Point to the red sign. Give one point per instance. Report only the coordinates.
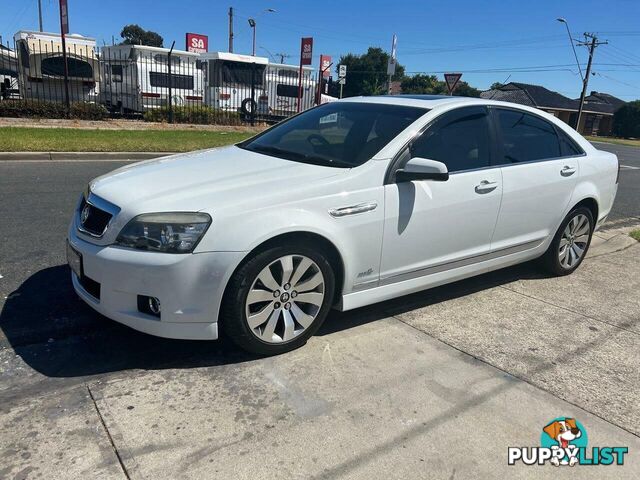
(306, 51)
(452, 80)
(64, 17)
(197, 43)
(325, 65)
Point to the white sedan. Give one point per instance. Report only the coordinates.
(347, 204)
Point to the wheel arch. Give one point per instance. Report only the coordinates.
(309, 238)
(592, 204)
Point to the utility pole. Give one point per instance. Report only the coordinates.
(585, 84)
(282, 56)
(40, 14)
(230, 29)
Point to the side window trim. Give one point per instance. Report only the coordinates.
(395, 163)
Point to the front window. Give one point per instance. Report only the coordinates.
(339, 134)
(54, 66)
(459, 139)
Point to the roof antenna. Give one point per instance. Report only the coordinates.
(505, 80)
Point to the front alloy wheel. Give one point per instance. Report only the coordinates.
(278, 298)
(285, 298)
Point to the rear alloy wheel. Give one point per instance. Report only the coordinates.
(571, 242)
(278, 299)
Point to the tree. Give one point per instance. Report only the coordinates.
(367, 73)
(626, 120)
(423, 84)
(429, 84)
(136, 35)
(496, 86)
(463, 89)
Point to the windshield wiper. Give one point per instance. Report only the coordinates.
(303, 157)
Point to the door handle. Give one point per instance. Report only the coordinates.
(486, 187)
(567, 171)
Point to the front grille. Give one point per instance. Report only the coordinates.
(96, 220)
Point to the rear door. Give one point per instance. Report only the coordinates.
(539, 167)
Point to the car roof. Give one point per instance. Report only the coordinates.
(423, 101)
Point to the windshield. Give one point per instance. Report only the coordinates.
(339, 134)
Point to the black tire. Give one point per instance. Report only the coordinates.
(550, 260)
(244, 106)
(233, 315)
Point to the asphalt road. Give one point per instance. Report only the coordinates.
(626, 210)
(74, 386)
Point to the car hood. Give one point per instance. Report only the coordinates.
(204, 179)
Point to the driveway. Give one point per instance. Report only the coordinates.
(434, 385)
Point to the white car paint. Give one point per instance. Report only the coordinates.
(410, 236)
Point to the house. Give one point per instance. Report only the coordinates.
(597, 114)
(599, 109)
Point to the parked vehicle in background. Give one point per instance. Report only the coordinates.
(274, 94)
(347, 204)
(41, 67)
(236, 83)
(135, 78)
(282, 89)
(9, 88)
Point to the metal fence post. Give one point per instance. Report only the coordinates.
(169, 80)
(254, 104)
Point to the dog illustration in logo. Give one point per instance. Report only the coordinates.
(563, 432)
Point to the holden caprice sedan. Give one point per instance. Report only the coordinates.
(347, 204)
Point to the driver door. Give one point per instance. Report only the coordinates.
(433, 226)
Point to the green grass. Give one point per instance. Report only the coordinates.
(618, 141)
(635, 234)
(20, 139)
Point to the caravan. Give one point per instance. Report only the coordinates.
(8, 74)
(231, 77)
(41, 67)
(135, 78)
(283, 84)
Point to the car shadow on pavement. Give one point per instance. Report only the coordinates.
(57, 335)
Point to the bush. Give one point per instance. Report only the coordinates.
(202, 115)
(34, 109)
(626, 121)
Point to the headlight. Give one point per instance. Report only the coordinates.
(177, 232)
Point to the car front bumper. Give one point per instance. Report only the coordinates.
(189, 286)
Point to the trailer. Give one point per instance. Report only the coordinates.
(137, 78)
(41, 67)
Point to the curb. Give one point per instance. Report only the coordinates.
(79, 156)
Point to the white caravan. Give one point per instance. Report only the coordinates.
(229, 79)
(8, 74)
(135, 78)
(41, 66)
(282, 89)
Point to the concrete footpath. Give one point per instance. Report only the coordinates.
(434, 385)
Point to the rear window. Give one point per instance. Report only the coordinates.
(526, 137)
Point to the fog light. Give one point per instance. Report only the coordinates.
(154, 305)
(149, 305)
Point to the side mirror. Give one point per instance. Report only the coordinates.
(422, 169)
